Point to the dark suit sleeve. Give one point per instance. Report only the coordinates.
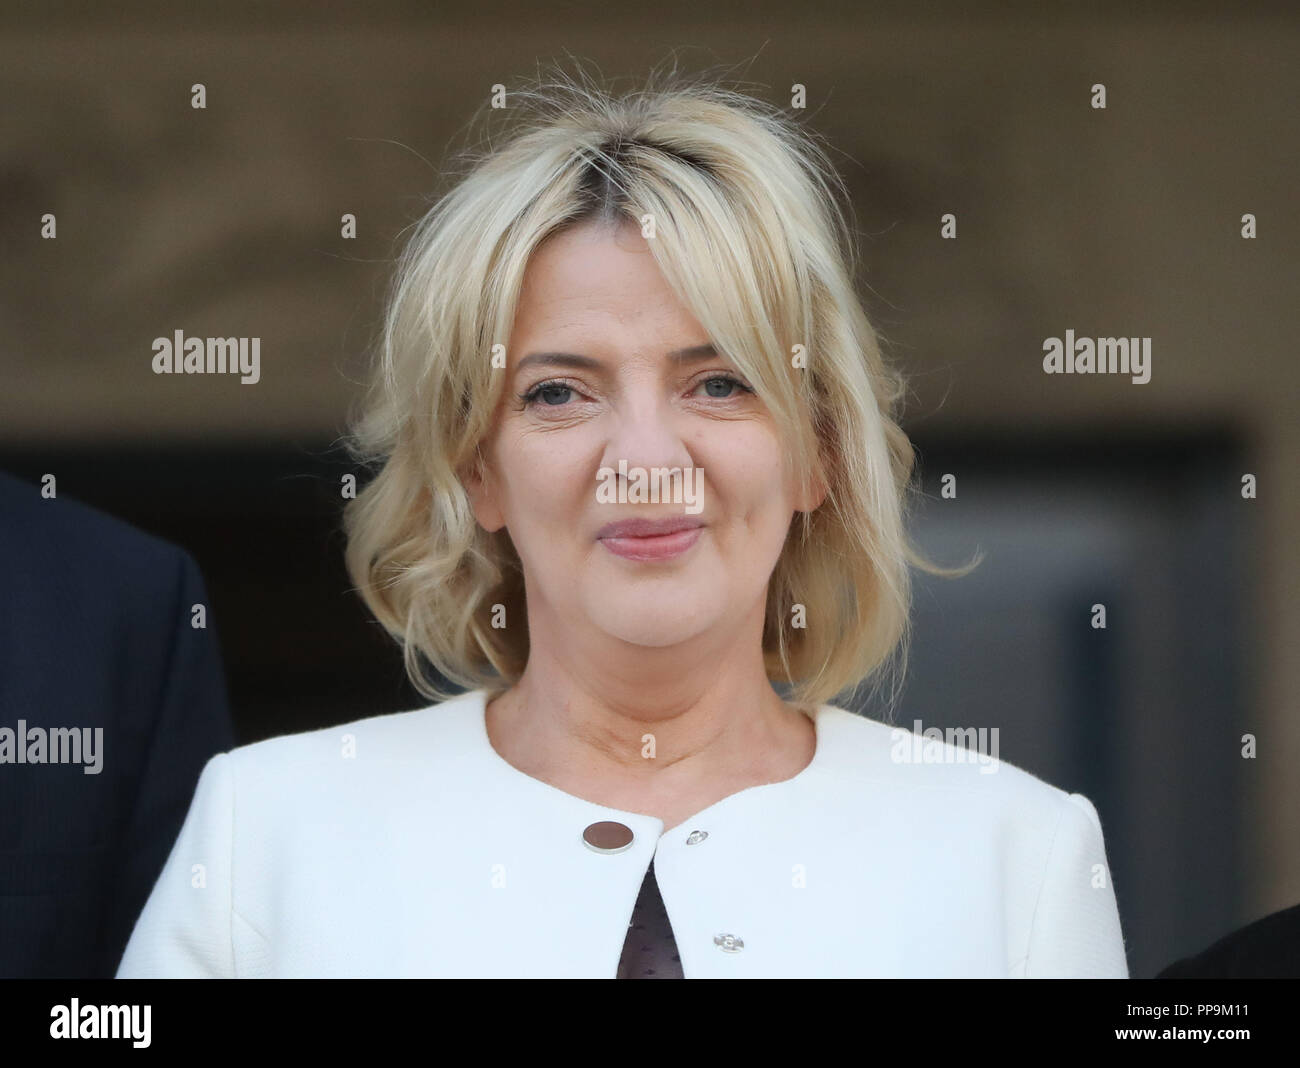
(1269, 948)
(96, 638)
(192, 723)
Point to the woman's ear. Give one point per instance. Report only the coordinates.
(812, 497)
(813, 492)
(480, 487)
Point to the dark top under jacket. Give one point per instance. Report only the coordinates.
(650, 951)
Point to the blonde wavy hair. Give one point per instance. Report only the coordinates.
(750, 234)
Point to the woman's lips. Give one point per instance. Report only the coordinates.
(655, 547)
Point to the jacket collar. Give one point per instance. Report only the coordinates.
(465, 717)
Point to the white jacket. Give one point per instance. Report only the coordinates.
(404, 845)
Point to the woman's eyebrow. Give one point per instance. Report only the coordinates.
(690, 354)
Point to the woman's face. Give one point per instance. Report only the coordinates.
(635, 387)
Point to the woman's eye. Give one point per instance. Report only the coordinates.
(557, 394)
(554, 394)
(724, 384)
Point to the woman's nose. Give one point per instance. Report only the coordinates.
(647, 433)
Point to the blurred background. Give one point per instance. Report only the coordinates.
(1123, 221)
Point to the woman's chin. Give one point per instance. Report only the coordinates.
(660, 628)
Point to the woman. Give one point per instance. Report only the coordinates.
(638, 466)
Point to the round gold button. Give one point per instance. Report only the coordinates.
(607, 836)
